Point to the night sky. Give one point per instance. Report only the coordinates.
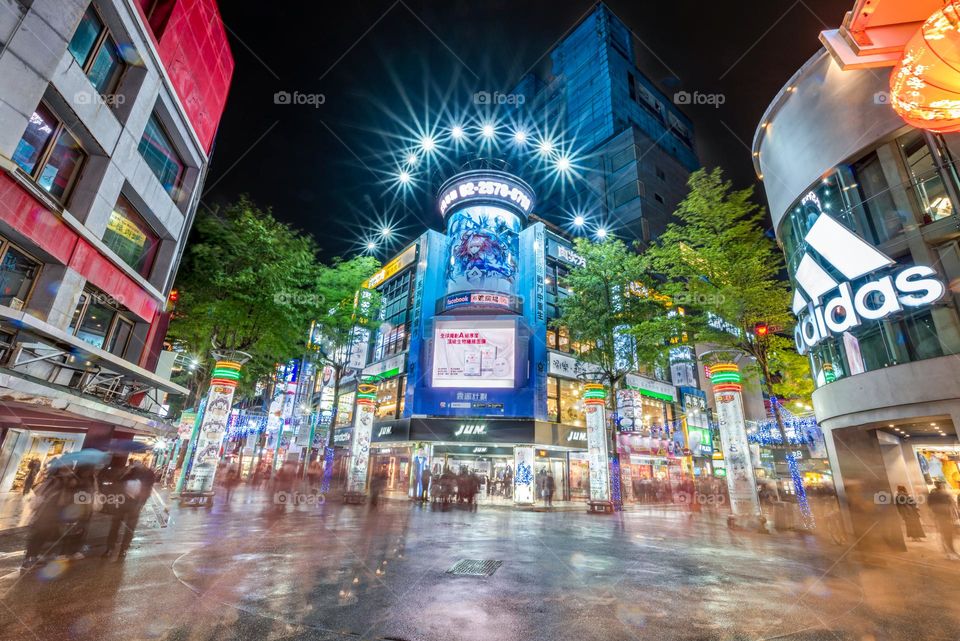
(384, 65)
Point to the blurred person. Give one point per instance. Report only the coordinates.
(907, 508)
(944, 514)
(232, 480)
(377, 485)
(78, 512)
(50, 498)
(33, 469)
(314, 474)
(550, 486)
(136, 481)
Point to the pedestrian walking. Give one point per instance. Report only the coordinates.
(232, 480)
(79, 510)
(377, 485)
(944, 515)
(50, 498)
(550, 485)
(907, 508)
(33, 469)
(314, 473)
(136, 481)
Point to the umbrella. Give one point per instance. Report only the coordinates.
(86, 456)
(120, 446)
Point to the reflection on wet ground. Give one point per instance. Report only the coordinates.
(249, 571)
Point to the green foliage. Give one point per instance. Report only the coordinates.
(344, 306)
(717, 257)
(247, 283)
(612, 295)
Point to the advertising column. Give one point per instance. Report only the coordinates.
(360, 447)
(523, 485)
(206, 454)
(593, 398)
(741, 483)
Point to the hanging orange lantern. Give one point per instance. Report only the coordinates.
(925, 84)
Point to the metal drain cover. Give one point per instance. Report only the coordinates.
(474, 567)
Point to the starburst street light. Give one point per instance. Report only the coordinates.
(487, 131)
(412, 159)
(601, 233)
(386, 231)
(545, 146)
(403, 176)
(456, 132)
(578, 220)
(520, 136)
(428, 144)
(563, 164)
(371, 245)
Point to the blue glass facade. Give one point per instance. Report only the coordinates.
(639, 146)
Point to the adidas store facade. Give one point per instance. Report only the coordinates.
(866, 211)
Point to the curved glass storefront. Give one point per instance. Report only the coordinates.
(901, 197)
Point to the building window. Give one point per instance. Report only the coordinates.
(18, 272)
(99, 320)
(394, 316)
(49, 153)
(657, 197)
(96, 52)
(390, 398)
(345, 409)
(553, 400)
(565, 402)
(161, 157)
(660, 174)
(130, 237)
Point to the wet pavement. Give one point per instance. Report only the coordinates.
(249, 571)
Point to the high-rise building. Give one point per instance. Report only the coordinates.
(636, 145)
(108, 111)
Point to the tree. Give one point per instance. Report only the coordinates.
(347, 317)
(612, 311)
(241, 285)
(717, 257)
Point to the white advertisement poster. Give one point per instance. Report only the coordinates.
(474, 354)
(523, 482)
(206, 454)
(597, 452)
(360, 448)
(736, 453)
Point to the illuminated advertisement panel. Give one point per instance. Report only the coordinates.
(474, 353)
(484, 248)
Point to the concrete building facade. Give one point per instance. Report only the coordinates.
(108, 111)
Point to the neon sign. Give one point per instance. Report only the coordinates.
(850, 255)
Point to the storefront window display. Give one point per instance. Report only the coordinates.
(390, 398)
(579, 476)
(941, 463)
(565, 401)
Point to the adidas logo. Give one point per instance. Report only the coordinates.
(853, 258)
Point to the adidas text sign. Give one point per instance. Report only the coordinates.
(821, 313)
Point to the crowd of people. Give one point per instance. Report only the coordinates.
(63, 499)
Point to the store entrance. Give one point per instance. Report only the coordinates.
(395, 465)
(494, 472)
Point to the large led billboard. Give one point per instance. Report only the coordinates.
(474, 353)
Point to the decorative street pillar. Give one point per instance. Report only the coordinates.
(523, 482)
(594, 396)
(206, 454)
(360, 446)
(741, 482)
